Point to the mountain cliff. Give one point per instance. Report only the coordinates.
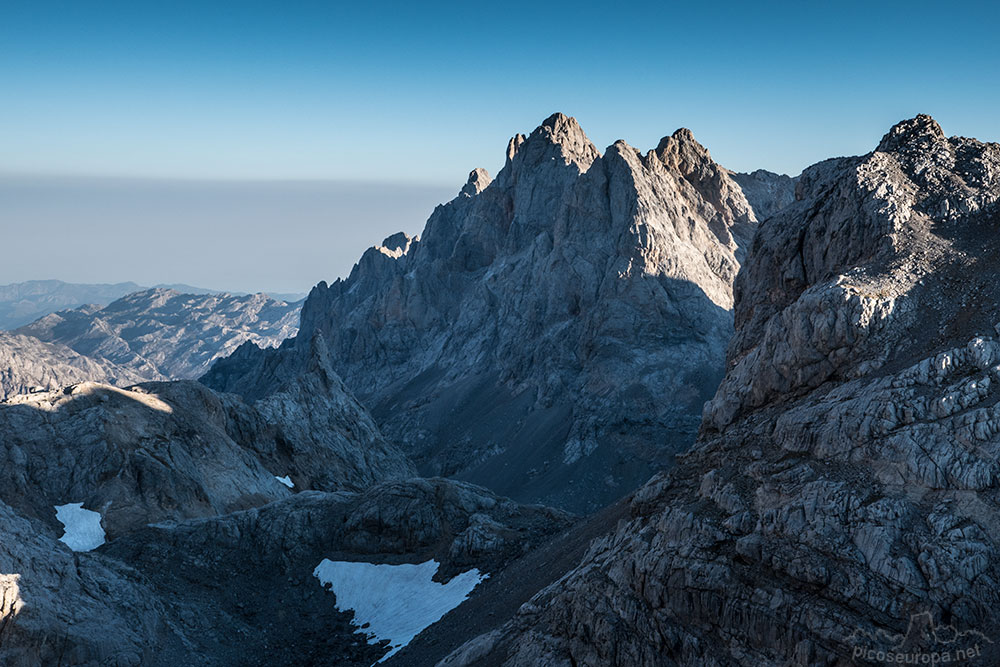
(766, 191)
(527, 339)
(842, 494)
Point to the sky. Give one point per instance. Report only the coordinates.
(375, 96)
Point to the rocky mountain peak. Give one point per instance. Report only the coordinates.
(564, 133)
(843, 487)
(914, 133)
(479, 179)
(681, 154)
(681, 151)
(501, 347)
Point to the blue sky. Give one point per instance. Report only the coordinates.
(417, 94)
(408, 92)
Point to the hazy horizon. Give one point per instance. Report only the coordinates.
(265, 146)
(239, 236)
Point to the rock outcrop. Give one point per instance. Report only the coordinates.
(164, 334)
(766, 191)
(526, 340)
(175, 450)
(842, 496)
(239, 589)
(27, 364)
(159, 460)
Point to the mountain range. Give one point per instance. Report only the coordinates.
(24, 302)
(609, 408)
(526, 339)
(844, 481)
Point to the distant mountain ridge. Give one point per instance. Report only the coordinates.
(162, 334)
(24, 302)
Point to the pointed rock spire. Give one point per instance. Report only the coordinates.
(561, 132)
(682, 152)
(513, 145)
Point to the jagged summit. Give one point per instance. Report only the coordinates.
(478, 181)
(917, 132)
(844, 484)
(682, 150)
(526, 340)
(681, 135)
(561, 131)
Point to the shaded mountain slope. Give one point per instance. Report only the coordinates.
(526, 339)
(843, 493)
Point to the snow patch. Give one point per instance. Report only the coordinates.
(397, 601)
(286, 480)
(83, 530)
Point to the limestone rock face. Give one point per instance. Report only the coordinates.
(157, 454)
(526, 340)
(843, 489)
(238, 589)
(174, 450)
(78, 608)
(766, 191)
(27, 364)
(164, 334)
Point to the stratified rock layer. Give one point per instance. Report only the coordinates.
(526, 340)
(843, 492)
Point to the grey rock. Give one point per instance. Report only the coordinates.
(525, 340)
(170, 451)
(766, 191)
(60, 607)
(843, 488)
(163, 334)
(27, 364)
(238, 588)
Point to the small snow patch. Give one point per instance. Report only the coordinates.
(83, 530)
(396, 601)
(286, 480)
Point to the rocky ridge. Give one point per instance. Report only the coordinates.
(216, 511)
(22, 303)
(525, 340)
(766, 191)
(843, 490)
(25, 302)
(164, 334)
(27, 364)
